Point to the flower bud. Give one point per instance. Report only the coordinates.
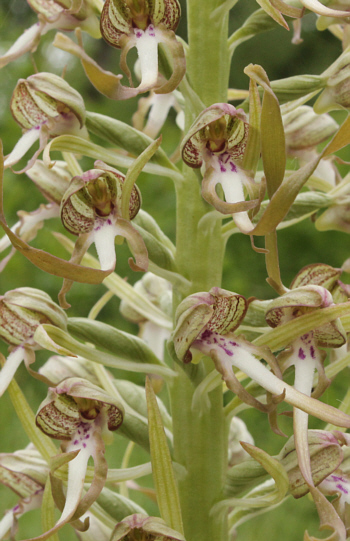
(325, 456)
(304, 129)
(238, 432)
(156, 290)
(45, 106)
(22, 310)
(93, 196)
(46, 98)
(303, 300)
(219, 311)
(336, 95)
(58, 368)
(138, 526)
(75, 402)
(53, 182)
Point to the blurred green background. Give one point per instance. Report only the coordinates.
(244, 270)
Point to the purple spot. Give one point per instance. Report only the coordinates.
(233, 167)
(206, 334)
(337, 478)
(97, 228)
(233, 343)
(79, 432)
(222, 168)
(139, 34)
(221, 338)
(16, 508)
(84, 445)
(301, 354)
(215, 340)
(342, 489)
(151, 30)
(75, 442)
(226, 350)
(87, 437)
(312, 351)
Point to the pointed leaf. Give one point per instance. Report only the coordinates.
(162, 467)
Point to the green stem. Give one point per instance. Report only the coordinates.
(200, 439)
(208, 58)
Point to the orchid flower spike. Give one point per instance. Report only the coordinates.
(304, 352)
(22, 310)
(92, 208)
(45, 106)
(145, 24)
(206, 322)
(62, 15)
(304, 130)
(25, 473)
(81, 415)
(137, 527)
(52, 183)
(217, 140)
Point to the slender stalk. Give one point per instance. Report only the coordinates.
(200, 439)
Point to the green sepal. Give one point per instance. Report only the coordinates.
(78, 145)
(287, 332)
(63, 343)
(122, 344)
(268, 498)
(133, 174)
(124, 136)
(287, 192)
(157, 252)
(273, 147)
(135, 396)
(116, 505)
(162, 467)
(244, 477)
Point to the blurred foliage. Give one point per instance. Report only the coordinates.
(244, 270)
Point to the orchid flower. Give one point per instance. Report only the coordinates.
(92, 209)
(45, 106)
(138, 527)
(64, 15)
(217, 140)
(22, 310)
(304, 352)
(206, 322)
(143, 24)
(52, 183)
(25, 473)
(304, 130)
(81, 415)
